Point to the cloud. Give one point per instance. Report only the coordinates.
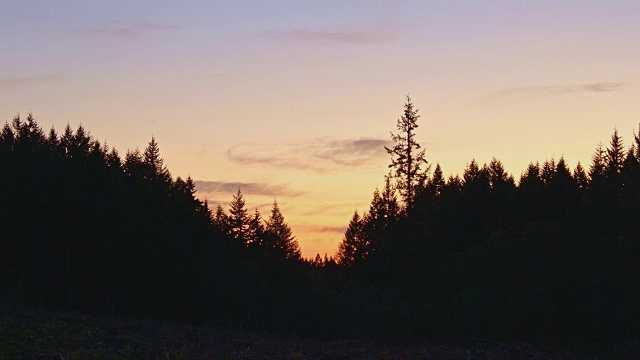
(321, 229)
(319, 155)
(331, 37)
(340, 208)
(18, 82)
(125, 30)
(529, 92)
(253, 188)
(352, 152)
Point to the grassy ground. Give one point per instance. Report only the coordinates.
(45, 335)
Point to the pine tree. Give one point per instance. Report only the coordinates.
(631, 173)
(472, 173)
(376, 223)
(383, 212)
(279, 236)
(179, 188)
(531, 176)
(52, 139)
(238, 220)
(614, 160)
(207, 211)
(497, 175)
(597, 171)
(255, 231)
(563, 191)
(454, 184)
(7, 139)
(66, 141)
(31, 132)
(531, 201)
(580, 177)
(221, 220)
(548, 172)
(317, 261)
(598, 189)
(113, 159)
(407, 158)
(154, 163)
(437, 183)
(81, 142)
(191, 186)
(134, 164)
(390, 201)
(353, 248)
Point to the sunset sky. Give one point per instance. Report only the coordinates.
(294, 100)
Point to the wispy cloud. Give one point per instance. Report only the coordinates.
(339, 208)
(352, 152)
(331, 37)
(532, 92)
(319, 155)
(321, 229)
(125, 30)
(225, 189)
(19, 82)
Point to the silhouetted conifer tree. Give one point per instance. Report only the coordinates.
(531, 194)
(354, 246)
(598, 193)
(155, 164)
(497, 175)
(238, 220)
(221, 220)
(437, 182)
(564, 192)
(597, 171)
(407, 158)
(278, 236)
(52, 139)
(7, 141)
(580, 177)
(614, 158)
(384, 212)
(255, 231)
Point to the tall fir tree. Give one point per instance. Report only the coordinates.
(408, 161)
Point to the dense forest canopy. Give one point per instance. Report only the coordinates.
(554, 255)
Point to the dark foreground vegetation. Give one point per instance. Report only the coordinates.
(552, 258)
(43, 335)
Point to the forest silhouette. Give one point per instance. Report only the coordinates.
(553, 256)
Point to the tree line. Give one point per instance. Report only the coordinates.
(553, 256)
(84, 228)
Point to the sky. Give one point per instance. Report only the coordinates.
(294, 100)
